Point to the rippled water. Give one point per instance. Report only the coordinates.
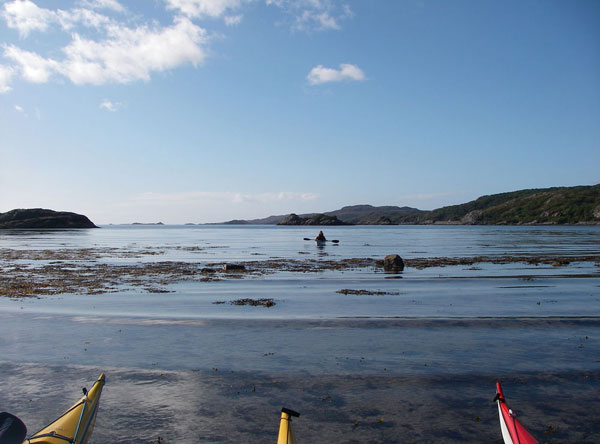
(231, 242)
(474, 324)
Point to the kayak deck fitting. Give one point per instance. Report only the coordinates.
(286, 434)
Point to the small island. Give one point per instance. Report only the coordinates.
(317, 219)
(39, 218)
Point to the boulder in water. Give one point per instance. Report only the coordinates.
(393, 262)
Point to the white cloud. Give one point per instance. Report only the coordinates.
(26, 16)
(6, 74)
(319, 74)
(125, 56)
(111, 106)
(132, 54)
(33, 67)
(233, 20)
(204, 8)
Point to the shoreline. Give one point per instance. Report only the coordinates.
(33, 273)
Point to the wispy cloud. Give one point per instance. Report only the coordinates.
(311, 15)
(204, 8)
(320, 74)
(233, 20)
(111, 106)
(113, 5)
(307, 15)
(6, 74)
(194, 197)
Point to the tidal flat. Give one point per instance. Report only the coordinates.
(193, 353)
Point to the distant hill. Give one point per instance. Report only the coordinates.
(559, 205)
(370, 215)
(39, 218)
(353, 215)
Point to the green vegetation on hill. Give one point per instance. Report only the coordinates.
(370, 215)
(39, 218)
(560, 205)
(564, 205)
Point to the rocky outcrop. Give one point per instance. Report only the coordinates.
(317, 219)
(393, 263)
(38, 218)
(292, 219)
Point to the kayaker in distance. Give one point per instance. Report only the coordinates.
(320, 237)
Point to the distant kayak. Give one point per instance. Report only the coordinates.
(513, 431)
(321, 243)
(76, 424)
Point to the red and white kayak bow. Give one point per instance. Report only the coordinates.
(513, 431)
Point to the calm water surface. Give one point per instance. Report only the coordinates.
(396, 355)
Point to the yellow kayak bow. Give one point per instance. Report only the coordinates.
(75, 426)
(286, 434)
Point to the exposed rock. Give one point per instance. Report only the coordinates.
(383, 220)
(472, 217)
(393, 262)
(233, 267)
(38, 218)
(264, 302)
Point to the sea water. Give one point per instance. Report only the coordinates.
(515, 321)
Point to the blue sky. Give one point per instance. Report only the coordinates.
(208, 110)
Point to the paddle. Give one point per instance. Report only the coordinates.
(335, 241)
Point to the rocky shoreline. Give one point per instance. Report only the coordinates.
(52, 272)
(39, 218)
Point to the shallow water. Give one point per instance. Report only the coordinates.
(339, 358)
(231, 242)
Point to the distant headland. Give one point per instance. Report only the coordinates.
(544, 206)
(39, 218)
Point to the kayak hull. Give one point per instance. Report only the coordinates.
(513, 432)
(286, 434)
(76, 424)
